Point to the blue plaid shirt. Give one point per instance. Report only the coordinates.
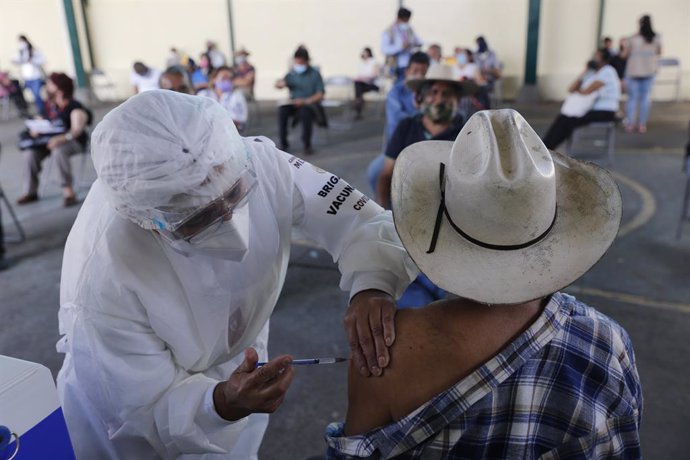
(567, 388)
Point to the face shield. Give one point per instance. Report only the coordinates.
(204, 222)
(172, 163)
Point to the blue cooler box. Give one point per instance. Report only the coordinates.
(29, 408)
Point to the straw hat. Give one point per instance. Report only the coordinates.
(498, 218)
(443, 73)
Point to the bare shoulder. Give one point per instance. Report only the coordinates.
(376, 401)
(435, 347)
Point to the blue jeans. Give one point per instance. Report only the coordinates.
(374, 170)
(639, 97)
(35, 87)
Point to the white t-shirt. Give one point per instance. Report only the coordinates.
(146, 82)
(467, 72)
(233, 102)
(610, 93)
(368, 70)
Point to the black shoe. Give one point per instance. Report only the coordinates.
(70, 201)
(308, 150)
(285, 147)
(28, 198)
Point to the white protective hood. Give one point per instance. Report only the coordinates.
(149, 332)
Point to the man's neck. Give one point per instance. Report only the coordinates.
(434, 128)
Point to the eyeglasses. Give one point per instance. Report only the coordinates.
(202, 222)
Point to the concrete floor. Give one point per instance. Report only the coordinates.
(642, 282)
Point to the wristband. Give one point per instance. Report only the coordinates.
(68, 136)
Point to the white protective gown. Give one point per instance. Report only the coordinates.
(148, 332)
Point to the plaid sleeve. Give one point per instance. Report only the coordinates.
(616, 438)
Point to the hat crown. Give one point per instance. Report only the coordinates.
(500, 185)
(439, 72)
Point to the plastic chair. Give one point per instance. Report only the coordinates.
(339, 96)
(594, 139)
(102, 86)
(669, 73)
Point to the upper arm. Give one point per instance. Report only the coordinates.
(78, 120)
(592, 87)
(367, 406)
(319, 85)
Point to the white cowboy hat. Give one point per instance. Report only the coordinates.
(443, 73)
(505, 220)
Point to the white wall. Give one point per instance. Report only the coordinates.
(124, 31)
(42, 21)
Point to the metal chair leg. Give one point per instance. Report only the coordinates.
(15, 220)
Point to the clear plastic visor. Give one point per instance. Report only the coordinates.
(201, 223)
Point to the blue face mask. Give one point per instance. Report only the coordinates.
(299, 68)
(224, 86)
(461, 58)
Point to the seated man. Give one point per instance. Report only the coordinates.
(245, 74)
(512, 368)
(437, 95)
(306, 92)
(399, 105)
(68, 113)
(144, 78)
(176, 79)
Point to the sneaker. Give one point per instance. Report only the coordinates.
(28, 198)
(642, 129)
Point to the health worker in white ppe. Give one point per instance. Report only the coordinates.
(174, 266)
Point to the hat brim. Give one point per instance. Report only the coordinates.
(464, 87)
(589, 210)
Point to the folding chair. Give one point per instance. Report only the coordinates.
(102, 86)
(20, 230)
(594, 139)
(669, 73)
(339, 96)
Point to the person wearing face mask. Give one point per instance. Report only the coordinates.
(399, 105)
(176, 78)
(69, 116)
(437, 95)
(366, 79)
(398, 42)
(227, 96)
(489, 67)
(599, 89)
(30, 61)
(173, 268)
(306, 93)
(465, 69)
(245, 74)
(199, 75)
